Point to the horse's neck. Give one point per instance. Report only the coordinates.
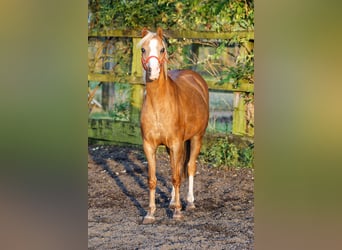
(160, 89)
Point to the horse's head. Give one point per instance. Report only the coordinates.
(153, 53)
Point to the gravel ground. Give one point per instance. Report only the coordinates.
(118, 200)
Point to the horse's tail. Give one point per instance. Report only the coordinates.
(186, 159)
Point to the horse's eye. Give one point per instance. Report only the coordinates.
(162, 50)
(143, 50)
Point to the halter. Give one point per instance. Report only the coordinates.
(160, 61)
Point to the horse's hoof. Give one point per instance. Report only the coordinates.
(190, 206)
(172, 205)
(148, 219)
(177, 215)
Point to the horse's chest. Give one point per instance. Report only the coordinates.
(160, 121)
(160, 124)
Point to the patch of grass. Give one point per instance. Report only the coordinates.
(225, 152)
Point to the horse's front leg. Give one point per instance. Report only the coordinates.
(150, 152)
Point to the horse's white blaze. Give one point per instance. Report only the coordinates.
(190, 197)
(153, 62)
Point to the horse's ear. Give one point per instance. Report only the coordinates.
(160, 32)
(144, 32)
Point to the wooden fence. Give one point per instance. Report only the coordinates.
(129, 131)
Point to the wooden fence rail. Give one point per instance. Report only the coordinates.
(129, 132)
(175, 34)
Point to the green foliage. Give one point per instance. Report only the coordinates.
(120, 111)
(246, 156)
(121, 108)
(199, 15)
(223, 153)
(242, 71)
(244, 67)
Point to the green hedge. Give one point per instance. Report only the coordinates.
(198, 15)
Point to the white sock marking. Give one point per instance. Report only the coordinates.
(190, 197)
(173, 195)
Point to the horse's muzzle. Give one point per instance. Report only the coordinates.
(152, 75)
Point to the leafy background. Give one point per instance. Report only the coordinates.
(196, 15)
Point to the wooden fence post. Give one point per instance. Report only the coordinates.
(108, 92)
(239, 115)
(137, 89)
(243, 115)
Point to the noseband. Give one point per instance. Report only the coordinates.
(145, 61)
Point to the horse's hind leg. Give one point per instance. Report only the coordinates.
(195, 148)
(150, 153)
(176, 156)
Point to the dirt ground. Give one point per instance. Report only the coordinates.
(118, 200)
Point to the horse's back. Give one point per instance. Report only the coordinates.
(188, 80)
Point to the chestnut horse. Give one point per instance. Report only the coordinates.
(175, 113)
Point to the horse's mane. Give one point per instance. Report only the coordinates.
(148, 37)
